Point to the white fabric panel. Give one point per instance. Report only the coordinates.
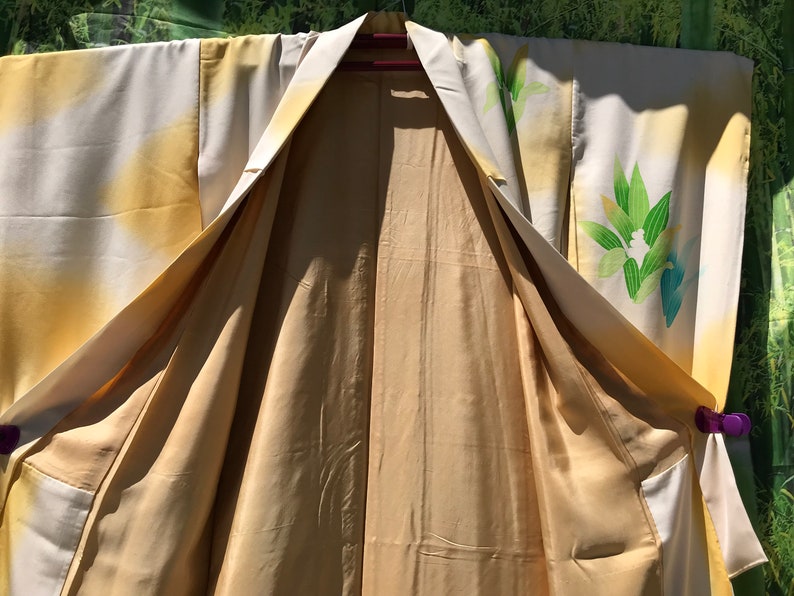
(684, 550)
(42, 525)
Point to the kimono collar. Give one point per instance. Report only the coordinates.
(324, 55)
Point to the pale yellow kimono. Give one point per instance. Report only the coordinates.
(271, 329)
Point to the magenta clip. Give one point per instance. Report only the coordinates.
(734, 425)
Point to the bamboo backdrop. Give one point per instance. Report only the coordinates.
(762, 378)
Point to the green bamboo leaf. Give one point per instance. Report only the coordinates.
(638, 199)
(618, 218)
(518, 109)
(491, 96)
(621, 187)
(657, 255)
(632, 273)
(493, 58)
(521, 102)
(517, 73)
(611, 262)
(534, 88)
(503, 101)
(605, 237)
(511, 120)
(648, 285)
(657, 219)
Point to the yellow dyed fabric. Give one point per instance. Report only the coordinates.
(323, 339)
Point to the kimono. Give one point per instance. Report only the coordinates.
(268, 327)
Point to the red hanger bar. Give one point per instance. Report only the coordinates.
(380, 41)
(376, 41)
(380, 65)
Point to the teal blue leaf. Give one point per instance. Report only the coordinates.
(657, 219)
(611, 262)
(621, 187)
(671, 301)
(618, 218)
(682, 261)
(492, 96)
(672, 288)
(638, 199)
(632, 273)
(605, 237)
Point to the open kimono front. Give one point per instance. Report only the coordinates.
(271, 328)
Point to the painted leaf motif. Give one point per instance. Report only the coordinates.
(491, 96)
(618, 218)
(632, 273)
(518, 109)
(493, 58)
(621, 187)
(648, 285)
(517, 73)
(671, 304)
(534, 88)
(657, 219)
(657, 255)
(638, 199)
(605, 237)
(672, 289)
(511, 120)
(681, 261)
(611, 262)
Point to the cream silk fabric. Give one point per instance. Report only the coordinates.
(271, 329)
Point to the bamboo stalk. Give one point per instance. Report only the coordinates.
(697, 24)
(787, 27)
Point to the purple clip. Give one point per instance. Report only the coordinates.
(734, 425)
(9, 437)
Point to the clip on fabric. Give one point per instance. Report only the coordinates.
(734, 425)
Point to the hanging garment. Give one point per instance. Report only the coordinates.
(272, 328)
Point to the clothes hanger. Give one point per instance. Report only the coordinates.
(381, 41)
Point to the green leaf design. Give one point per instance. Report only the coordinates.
(605, 237)
(649, 284)
(618, 218)
(534, 88)
(511, 120)
(518, 110)
(632, 273)
(493, 58)
(492, 96)
(517, 73)
(638, 199)
(611, 262)
(621, 187)
(657, 255)
(657, 219)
